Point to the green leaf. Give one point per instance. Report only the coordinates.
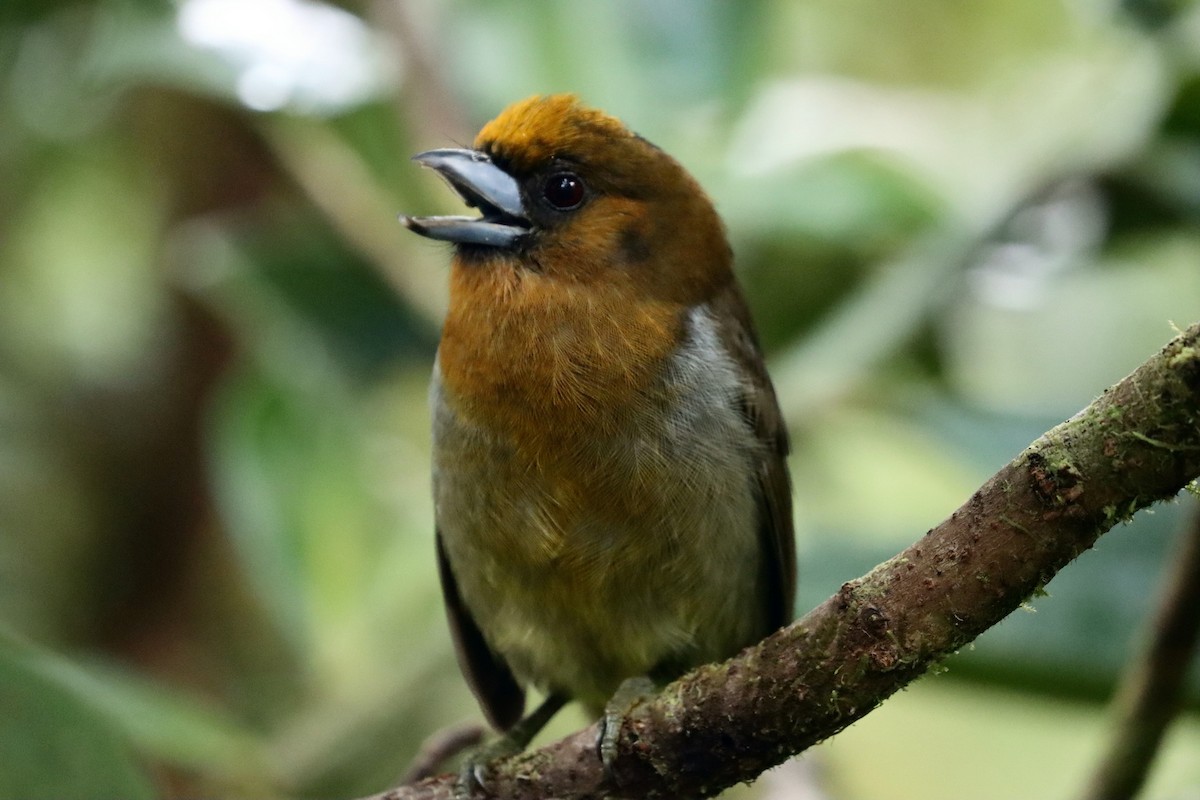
(54, 744)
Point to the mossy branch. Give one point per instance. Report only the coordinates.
(721, 724)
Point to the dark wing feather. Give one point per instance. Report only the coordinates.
(761, 409)
(499, 695)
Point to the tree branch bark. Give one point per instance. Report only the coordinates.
(725, 723)
(1152, 692)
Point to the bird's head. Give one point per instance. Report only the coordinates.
(570, 193)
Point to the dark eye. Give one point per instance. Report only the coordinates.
(564, 190)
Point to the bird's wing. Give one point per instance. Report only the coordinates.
(500, 696)
(761, 409)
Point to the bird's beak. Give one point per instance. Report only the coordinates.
(482, 185)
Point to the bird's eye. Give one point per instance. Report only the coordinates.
(564, 190)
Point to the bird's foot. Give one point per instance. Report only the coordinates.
(474, 766)
(631, 692)
(517, 738)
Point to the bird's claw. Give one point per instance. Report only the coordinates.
(518, 737)
(472, 773)
(469, 778)
(628, 694)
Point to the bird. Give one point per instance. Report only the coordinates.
(611, 492)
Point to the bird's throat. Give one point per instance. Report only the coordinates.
(544, 360)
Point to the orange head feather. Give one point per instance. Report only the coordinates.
(538, 129)
(646, 223)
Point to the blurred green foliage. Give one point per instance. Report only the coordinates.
(957, 223)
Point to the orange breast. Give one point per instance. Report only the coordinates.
(549, 361)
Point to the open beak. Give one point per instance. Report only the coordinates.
(482, 185)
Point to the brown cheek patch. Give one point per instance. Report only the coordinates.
(633, 245)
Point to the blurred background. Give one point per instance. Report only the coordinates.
(956, 223)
